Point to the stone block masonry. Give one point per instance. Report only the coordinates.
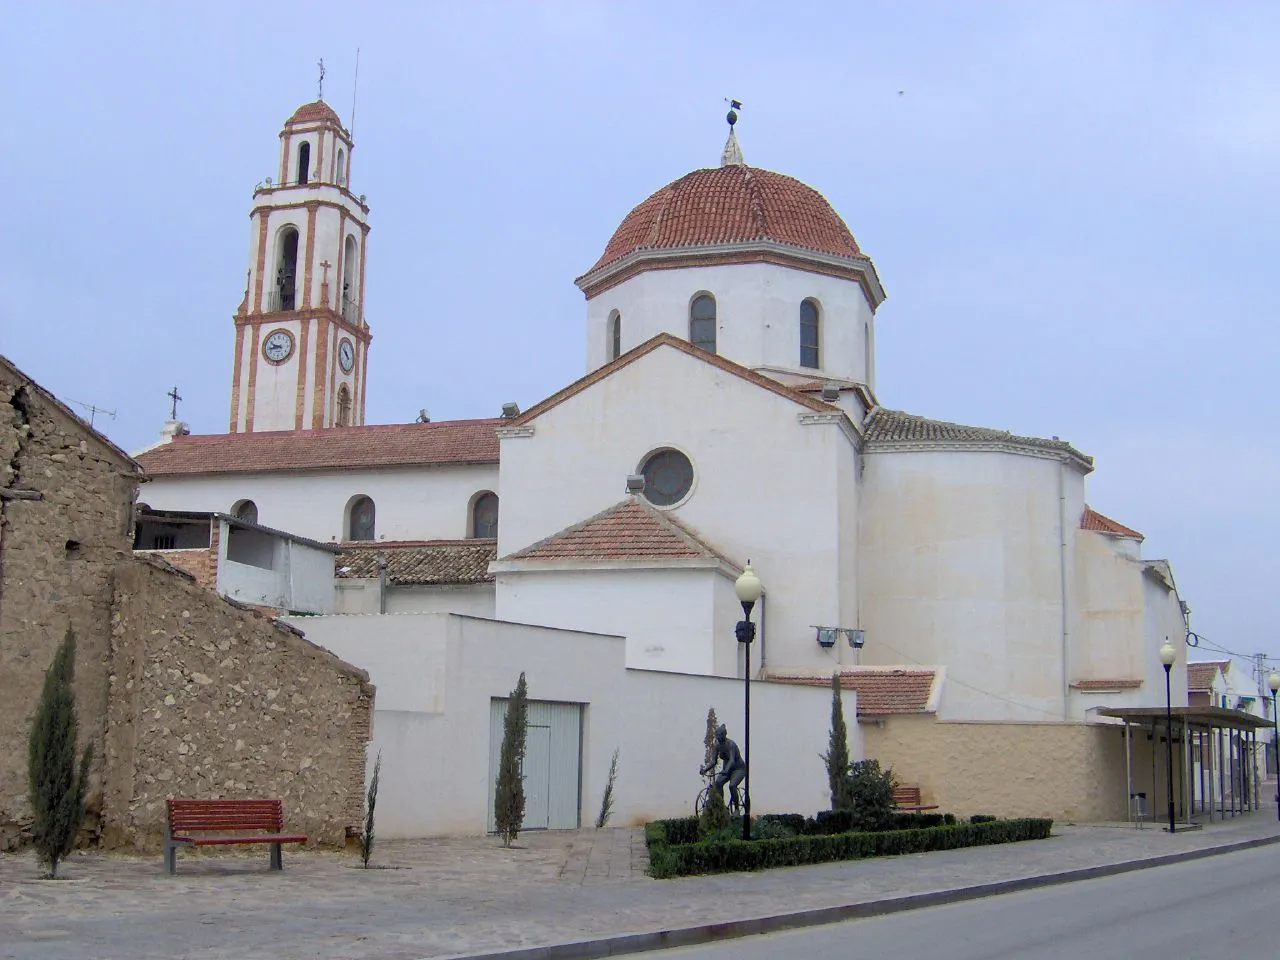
(211, 699)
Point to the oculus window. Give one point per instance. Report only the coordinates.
(668, 477)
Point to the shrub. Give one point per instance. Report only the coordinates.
(366, 836)
(715, 815)
(837, 756)
(508, 801)
(606, 800)
(56, 785)
(982, 818)
(869, 792)
(721, 855)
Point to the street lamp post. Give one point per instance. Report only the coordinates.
(1273, 682)
(748, 589)
(1167, 656)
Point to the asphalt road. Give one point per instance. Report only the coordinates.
(1220, 906)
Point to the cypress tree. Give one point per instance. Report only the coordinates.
(709, 739)
(371, 801)
(508, 801)
(837, 755)
(56, 787)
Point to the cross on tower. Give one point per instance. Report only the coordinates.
(175, 397)
(320, 64)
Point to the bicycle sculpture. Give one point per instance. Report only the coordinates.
(732, 770)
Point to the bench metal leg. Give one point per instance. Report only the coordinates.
(277, 859)
(171, 856)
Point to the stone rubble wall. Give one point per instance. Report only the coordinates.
(211, 699)
(201, 563)
(58, 554)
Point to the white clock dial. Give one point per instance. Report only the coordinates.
(346, 356)
(278, 346)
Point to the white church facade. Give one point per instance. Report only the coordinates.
(729, 412)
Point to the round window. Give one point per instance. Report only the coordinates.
(668, 477)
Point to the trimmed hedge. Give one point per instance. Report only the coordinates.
(669, 857)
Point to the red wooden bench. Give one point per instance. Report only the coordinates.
(907, 799)
(199, 823)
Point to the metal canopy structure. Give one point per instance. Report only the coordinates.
(1215, 762)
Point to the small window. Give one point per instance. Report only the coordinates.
(668, 477)
(484, 516)
(615, 335)
(702, 323)
(809, 334)
(342, 168)
(245, 510)
(304, 162)
(360, 521)
(344, 406)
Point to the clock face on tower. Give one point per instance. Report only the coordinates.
(346, 356)
(278, 347)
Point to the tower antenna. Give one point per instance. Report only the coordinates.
(355, 87)
(320, 85)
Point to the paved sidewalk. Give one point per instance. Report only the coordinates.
(441, 898)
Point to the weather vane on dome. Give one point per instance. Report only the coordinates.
(320, 91)
(732, 153)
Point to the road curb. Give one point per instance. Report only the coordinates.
(732, 929)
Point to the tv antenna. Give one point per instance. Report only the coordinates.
(94, 410)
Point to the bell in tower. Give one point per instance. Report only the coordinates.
(302, 342)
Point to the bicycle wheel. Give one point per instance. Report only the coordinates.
(701, 801)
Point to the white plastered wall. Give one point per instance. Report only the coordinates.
(765, 485)
(757, 316)
(411, 503)
(436, 674)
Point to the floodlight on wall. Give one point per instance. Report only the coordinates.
(826, 636)
(830, 392)
(510, 410)
(635, 483)
(856, 638)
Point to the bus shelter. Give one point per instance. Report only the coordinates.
(1217, 761)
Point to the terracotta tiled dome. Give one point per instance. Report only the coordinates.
(313, 112)
(732, 204)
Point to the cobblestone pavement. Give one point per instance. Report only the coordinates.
(440, 898)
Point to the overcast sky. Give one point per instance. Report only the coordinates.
(1073, 207)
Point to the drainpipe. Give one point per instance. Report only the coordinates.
(763, 658)
(382, 583)
(1062, 568)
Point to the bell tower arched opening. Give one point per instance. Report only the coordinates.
(284, 297)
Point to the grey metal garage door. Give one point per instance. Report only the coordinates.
(552, 763)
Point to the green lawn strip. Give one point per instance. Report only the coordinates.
(675, 851)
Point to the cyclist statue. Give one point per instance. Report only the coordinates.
(733, 768)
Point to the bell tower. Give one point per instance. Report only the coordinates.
(302, 341)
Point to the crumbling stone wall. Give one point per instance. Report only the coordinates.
(256, 709)
(213, 699)
(66, 515)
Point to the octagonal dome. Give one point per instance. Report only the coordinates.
(731, 204)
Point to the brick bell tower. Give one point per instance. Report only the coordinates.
(302, 342)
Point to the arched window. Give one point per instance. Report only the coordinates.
(344, 406)
(702, 322)
(350, 276)
(342, 168)
(615, 335)
(284, 296)
(809, 334)
(245, 510)
(304, 162)
(484, 516)
(360, 519)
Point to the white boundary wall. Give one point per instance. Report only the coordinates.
(436, 674)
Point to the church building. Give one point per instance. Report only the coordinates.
(955, 576)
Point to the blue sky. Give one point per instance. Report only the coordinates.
(1073, 207)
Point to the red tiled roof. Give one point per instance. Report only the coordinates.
(315, 111)
(731, 204)
(893, 428)
(423, 562)
(881, 692)
(630, 530)
(1200, 674)
(669, 340)
(334, 448)
(1095, 685)
(1091, 519)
